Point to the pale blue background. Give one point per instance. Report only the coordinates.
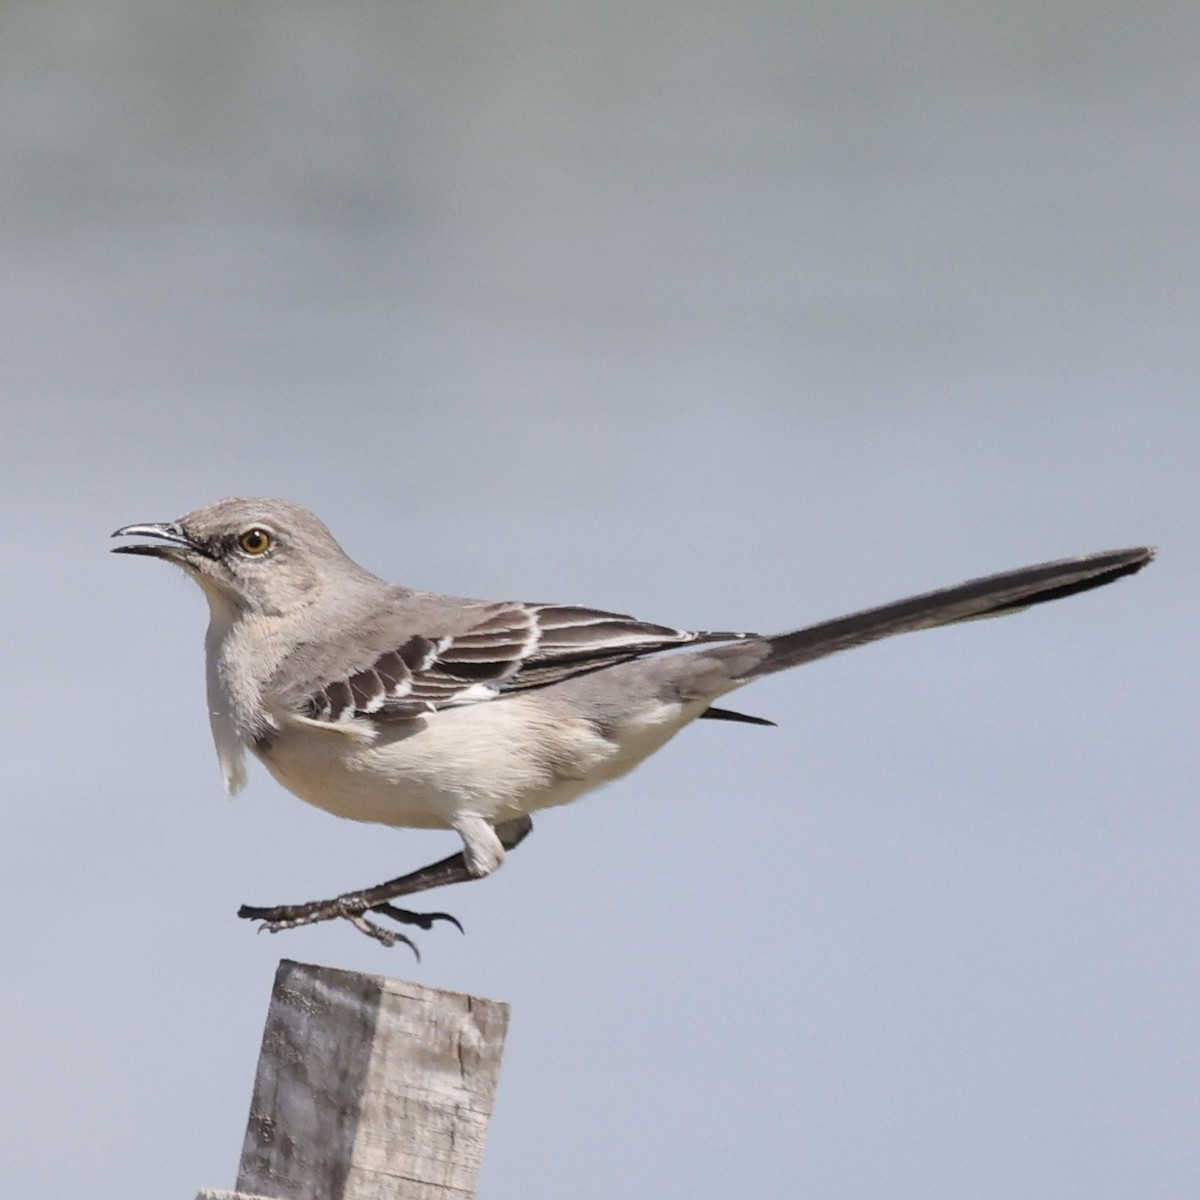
(728, 315)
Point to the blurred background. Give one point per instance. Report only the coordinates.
(732, 316)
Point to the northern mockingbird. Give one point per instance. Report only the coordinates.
(407, 708)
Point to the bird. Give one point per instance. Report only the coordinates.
(387, 704)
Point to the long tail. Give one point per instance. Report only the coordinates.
(991, 596)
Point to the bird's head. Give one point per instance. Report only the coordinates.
(265, 556)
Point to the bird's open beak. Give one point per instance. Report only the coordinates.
(173, 543)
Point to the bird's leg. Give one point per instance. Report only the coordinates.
(483, 852)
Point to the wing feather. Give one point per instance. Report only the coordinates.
(507, 648)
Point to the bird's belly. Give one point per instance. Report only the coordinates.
(339, 784)
(496, 760)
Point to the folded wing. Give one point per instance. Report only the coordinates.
(507, 648)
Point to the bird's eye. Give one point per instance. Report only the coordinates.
(254, 541)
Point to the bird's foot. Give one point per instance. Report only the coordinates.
(347, 908)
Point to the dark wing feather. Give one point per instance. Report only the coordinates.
(508, 648)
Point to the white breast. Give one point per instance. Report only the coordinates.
(231, 753)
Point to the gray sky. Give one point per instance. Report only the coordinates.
(729, 316)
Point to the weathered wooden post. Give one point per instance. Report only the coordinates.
(369, 1088)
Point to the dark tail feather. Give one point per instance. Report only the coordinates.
(727, 714)
(987, 597)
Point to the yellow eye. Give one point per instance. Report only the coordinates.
(254, 541)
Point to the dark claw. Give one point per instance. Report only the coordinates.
(385, 937)
(440, 916)
(421, 920)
